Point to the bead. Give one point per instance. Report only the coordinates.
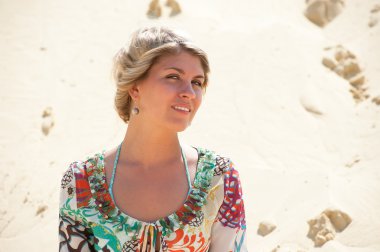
(106, 216)
(100, 205)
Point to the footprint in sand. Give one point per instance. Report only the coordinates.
(154, 10)
(322, 12)
(374, 17)
(174, 5)
(323, 228)
(265, 228)
(47, 120)
(291, 247)
(346, 65)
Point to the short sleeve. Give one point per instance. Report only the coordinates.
(74, 234)
(229, 228)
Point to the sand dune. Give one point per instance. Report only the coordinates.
(294, 101)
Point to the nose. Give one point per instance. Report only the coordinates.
(188, 91)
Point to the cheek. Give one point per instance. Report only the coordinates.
(200, 96)
(159, 102)
(197, 103)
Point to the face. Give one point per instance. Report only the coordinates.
(171, 93)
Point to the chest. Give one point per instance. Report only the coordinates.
(148, 196)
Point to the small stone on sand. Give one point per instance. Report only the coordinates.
(339, 219)
(376, 100)
(357, 80)
(329, 63)
(265, 228)
(320, 230)
(375, 8)
(47, 112)
(374, 18)
(41, 209)
(288, 248)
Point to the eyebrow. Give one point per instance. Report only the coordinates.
(183, 72)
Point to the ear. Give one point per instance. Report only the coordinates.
(134, 92)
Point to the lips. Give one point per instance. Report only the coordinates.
(182, 107)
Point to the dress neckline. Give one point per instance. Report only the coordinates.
(171, 216)
(191, 208)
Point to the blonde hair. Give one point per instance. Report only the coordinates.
(132, 63)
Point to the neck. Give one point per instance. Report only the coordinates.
(149, 146)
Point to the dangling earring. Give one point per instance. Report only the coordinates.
(135, 110)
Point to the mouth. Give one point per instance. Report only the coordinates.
(182, 109)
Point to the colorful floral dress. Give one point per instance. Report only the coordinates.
(211, 219)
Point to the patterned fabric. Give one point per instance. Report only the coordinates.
(211, 219)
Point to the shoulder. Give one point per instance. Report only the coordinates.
(70, 173)
(76, 180)
(222, 164)
(81, 168)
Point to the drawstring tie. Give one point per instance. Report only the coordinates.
(150, 239)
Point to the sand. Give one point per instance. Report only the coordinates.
(295, 104)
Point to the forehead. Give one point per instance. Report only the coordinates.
(182, 60)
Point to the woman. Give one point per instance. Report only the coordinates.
(151, 193)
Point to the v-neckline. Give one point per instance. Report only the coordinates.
(172, 215)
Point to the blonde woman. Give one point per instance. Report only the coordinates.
(151, 193)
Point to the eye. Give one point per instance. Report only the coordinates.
(197, 82)
(173, 76)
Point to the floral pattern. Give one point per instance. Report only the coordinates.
(90, 220)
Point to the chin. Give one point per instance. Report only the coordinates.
(176, 124)
(181, 130)
(179, 126)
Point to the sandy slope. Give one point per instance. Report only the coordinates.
(300, 140)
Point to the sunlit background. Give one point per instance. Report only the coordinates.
(293, 100)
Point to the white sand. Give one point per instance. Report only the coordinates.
(301, 142)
